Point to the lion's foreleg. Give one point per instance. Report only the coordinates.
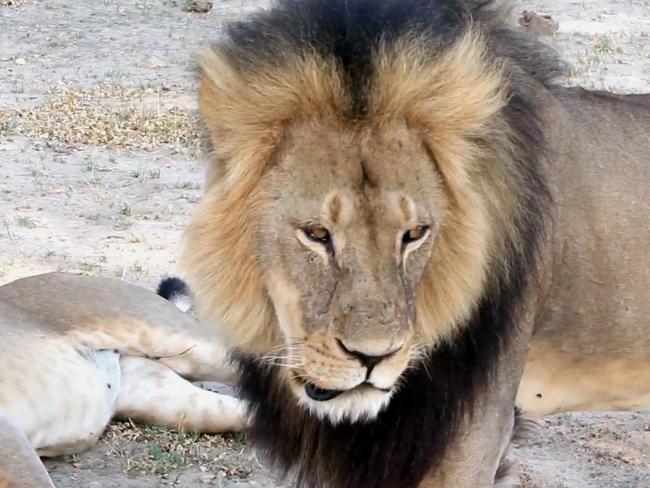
(481, 444)
(153, 393)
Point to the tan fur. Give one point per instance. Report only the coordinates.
(449, 111)
(434, 141)
(253, 117)
(248, 114)
(555, 383)
(154, 394)
(77, 351)
(246, 118)
(20, 466)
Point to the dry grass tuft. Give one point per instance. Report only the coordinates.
(601, 48)
(12, 3)
(109, 116)
(160, 451)
(7, 121)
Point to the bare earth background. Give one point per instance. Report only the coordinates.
(100, 168)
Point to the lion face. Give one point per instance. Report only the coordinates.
(347, 232)
(322, 230)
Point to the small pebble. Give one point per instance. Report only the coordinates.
(198, 6)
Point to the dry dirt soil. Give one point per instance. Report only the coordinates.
(100, 168)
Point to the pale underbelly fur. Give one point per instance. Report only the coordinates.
(59, 394)
(554, 383)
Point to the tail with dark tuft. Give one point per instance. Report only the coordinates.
(176, 291)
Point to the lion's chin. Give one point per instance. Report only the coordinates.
(360, 404)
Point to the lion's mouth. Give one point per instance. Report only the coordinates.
(320, 394)
(324, 395)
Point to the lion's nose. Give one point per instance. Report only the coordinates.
(367, 360)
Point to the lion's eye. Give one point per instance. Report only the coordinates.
(415, 234)
(318, 234)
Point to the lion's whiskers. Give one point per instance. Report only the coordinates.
(288, 344)
(281, 360)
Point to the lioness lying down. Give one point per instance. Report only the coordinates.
(76, 351)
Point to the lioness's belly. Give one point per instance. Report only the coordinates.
(554, 382)
(59, 394)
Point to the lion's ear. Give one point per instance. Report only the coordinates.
(246, 108)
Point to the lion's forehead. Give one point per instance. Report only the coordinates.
(383, 174)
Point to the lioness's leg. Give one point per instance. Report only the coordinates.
(189, 349)
(201, 359)
(20, 466)
(153, 393)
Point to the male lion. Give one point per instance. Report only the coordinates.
(77, 350)
(405, 216)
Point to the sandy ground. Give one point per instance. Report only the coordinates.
(100, 168)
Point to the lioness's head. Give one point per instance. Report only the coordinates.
(351, 212)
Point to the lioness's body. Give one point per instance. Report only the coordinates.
(76, 351)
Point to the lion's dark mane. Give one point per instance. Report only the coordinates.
(409, 438)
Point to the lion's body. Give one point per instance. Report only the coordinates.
(77, 351)
(344, 128)
(591, 347)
